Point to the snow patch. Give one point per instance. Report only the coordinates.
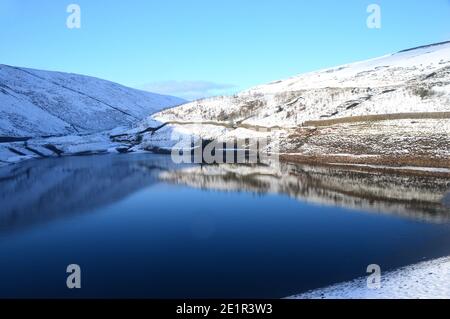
(426, 280)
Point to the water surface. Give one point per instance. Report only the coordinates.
(140, 226)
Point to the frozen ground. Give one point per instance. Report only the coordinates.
(427, 280)
(423, 142)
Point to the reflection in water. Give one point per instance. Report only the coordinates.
(142, 227)
(42, 190)
(418, 197)
(446, 200)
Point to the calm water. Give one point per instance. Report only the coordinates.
(140, 226)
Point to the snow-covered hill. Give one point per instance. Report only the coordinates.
(391, 111)
(415, 80)
(42, 103)
(395, 105)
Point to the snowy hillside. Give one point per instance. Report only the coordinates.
(42, 103)
(391, 111)
(394, 109)
(416, 80)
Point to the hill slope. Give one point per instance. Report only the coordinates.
(390, 111)
(41, 103)
(393, 110)
(416, 80)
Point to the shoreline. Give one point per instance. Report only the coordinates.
(419, 166)
(403, 165)
(424, 280)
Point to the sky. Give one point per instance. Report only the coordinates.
(198, 48)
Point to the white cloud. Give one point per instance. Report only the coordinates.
(190, 90)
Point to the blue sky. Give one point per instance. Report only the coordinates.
(195, 48)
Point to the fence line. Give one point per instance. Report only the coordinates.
(379, 117)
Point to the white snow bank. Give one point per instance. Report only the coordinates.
(426, 280)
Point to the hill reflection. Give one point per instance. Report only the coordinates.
(419, 197)
(42, 190)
